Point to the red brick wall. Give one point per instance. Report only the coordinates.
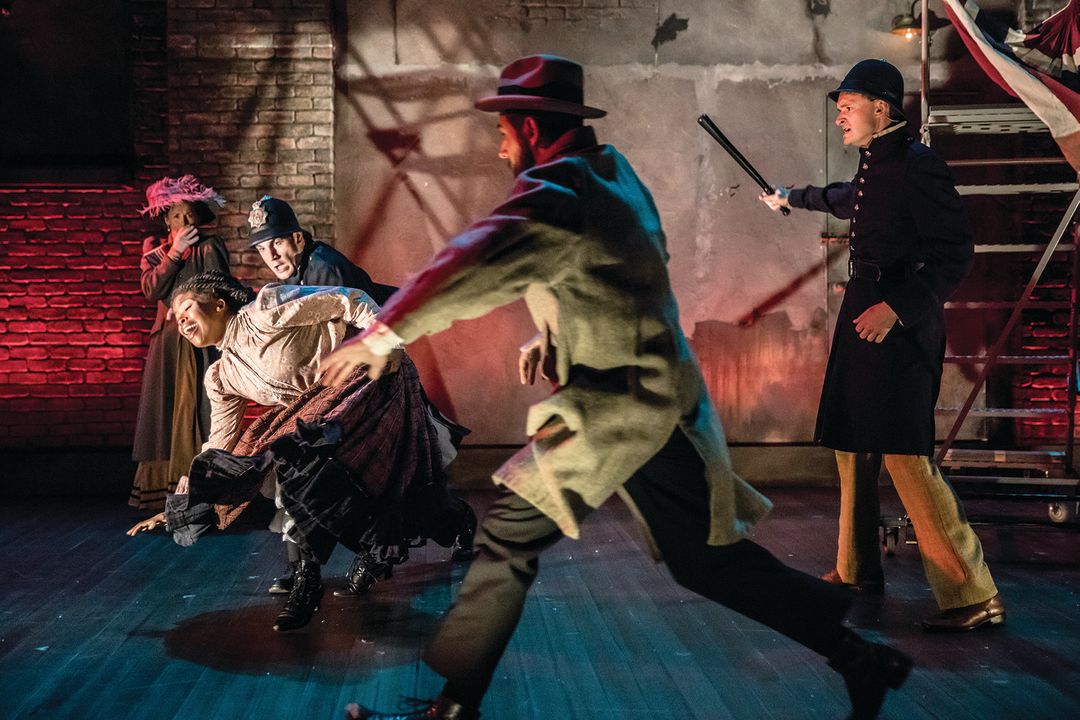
(1044, 332)
(239, 92)
(72, 320)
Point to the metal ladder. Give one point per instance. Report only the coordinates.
(1044, 474)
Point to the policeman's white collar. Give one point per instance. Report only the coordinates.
(886, 131)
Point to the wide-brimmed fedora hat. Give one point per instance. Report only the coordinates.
(546, 83)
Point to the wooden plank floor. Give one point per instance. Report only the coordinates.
(97, 625)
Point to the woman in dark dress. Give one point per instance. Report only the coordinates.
(173, 417)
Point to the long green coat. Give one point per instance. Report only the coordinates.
(580, 239)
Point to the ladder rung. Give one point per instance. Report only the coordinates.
(1021, 248)
(1006, 305)
(1020, 189)
(1006, 480)
(1017, 488)
(984, 119)
(1003, 412)
(1010, 359)
(1031, 459)
(1002, 162)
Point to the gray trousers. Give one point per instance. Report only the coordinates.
(671, 494)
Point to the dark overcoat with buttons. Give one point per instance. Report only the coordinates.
(908, 224)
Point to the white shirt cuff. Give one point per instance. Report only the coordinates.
(380, 339)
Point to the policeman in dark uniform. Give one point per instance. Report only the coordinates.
(910, 248)
(296, 258)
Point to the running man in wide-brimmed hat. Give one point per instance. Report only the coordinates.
(580, 239)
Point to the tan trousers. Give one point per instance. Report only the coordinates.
(951, 552)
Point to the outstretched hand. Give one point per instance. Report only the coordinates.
(148, 524)
(776, 200)
(338, 365)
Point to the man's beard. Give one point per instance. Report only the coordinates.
(525, 161)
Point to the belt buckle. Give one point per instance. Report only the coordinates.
(861, 269)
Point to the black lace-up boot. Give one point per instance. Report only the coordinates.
(303, 601)
(364, 572)
(284, 582)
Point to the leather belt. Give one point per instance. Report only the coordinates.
(857, 268)
(866, 269)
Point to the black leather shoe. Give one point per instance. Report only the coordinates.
(463, 546)
(869, 587)
(303, 601)
(985, 614)
(441, 708)
(363, 573)
(282, 585)
(869, 671)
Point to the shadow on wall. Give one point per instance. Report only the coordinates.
(418, 171)
(405, 160)
(251, 113)
(400, 145)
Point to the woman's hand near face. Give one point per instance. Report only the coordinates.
(181, 241)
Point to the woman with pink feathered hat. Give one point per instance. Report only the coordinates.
(173, 414)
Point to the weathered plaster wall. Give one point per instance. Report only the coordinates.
(415, 163)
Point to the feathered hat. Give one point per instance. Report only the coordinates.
(169, 191)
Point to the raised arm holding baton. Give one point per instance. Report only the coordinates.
(710, 127)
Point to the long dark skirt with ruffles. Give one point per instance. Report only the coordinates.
(356, 464)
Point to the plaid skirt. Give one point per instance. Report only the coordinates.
(359, 461)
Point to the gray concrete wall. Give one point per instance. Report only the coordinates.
(415, 163)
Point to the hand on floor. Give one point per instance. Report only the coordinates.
(148, 524)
